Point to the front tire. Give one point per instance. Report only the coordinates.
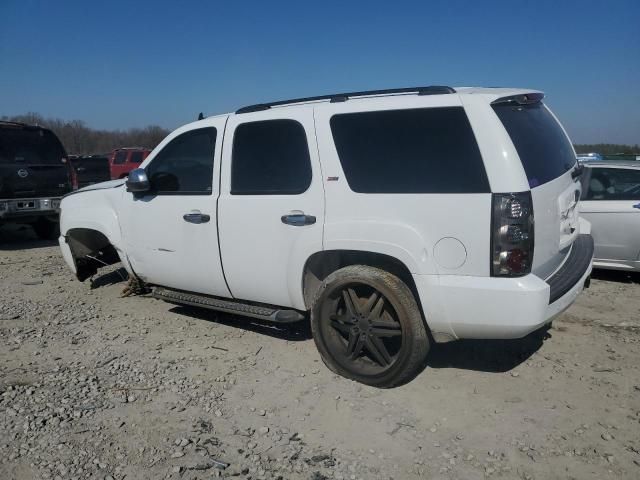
(367, 327)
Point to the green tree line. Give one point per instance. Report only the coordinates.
(608, 148)
(79, 139)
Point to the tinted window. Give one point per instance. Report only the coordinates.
(270, 157)
(544, 149)
(30, 146)
(120, 157)
(429, 150)
(135, 157)
(185, 165)
(613, 184)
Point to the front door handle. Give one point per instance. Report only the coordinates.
(196, 217)
(636, 205)
(298, 219)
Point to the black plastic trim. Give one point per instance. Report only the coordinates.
(269, 313)
(342, 97)
(521, 99)
(573, 269)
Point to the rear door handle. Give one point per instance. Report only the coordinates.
(297, 218)
(196, 217)
(637, 205)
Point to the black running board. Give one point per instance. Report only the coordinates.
(263, 312)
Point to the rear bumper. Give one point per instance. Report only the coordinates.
(459, 307)
(23, 208)
(579, 260)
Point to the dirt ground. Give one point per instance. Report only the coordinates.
(97, 386)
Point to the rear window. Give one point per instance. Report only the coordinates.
(427, 150)
(543, 147)
(30, 146)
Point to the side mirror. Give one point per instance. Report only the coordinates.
(137, 181)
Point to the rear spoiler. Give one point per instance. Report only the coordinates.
(522, 99)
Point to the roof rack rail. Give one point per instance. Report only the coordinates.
(29, 126)
(11, 122)
(343, 97)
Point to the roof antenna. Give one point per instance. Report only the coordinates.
(200, 116)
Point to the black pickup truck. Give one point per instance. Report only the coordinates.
(34, 175)
(89, 169)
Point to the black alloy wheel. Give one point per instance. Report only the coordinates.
(368, 327)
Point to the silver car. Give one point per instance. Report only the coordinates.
(611, 202)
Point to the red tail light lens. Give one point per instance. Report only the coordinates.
(512, 230)
(73, 177)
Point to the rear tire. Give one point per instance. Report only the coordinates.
(46, 229)
(367, 327)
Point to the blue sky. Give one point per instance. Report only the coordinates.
(119, 64)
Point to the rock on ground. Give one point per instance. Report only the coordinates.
(97, 386)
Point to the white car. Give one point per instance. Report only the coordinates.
(393, 216)
(611, 203)
(588, 157)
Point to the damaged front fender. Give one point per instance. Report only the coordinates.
(86, 251)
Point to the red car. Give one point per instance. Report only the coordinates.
(123, 160)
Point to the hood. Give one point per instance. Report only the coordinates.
(101, 186)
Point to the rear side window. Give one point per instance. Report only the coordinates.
(613, 184)
(136, 157)
(543, 147)
(428, 150)
(270, 158)
(120, 157)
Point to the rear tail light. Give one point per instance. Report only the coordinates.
(512, 229)
(73, 177)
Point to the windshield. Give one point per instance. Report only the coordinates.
(29, 146)
(543, 147)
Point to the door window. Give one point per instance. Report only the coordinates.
(270, 158)
(136, 157)
(185, 165)
(614, 184)
(120, 157)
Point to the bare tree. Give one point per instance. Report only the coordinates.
(80, 139)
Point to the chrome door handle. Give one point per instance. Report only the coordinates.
(297, 218)
(196, 217)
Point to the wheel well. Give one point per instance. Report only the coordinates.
(91, 250)
(321, 264)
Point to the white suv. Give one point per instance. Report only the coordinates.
(393, 216)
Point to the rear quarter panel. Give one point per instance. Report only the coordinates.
(554, 205)
(405, 226)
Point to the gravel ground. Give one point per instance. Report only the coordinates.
(97, 386)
